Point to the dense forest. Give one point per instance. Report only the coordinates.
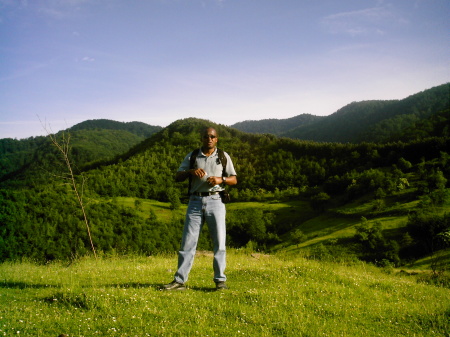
(40, 217)
(91, 141)
(369, 121)
(136, 128)
(276, 126)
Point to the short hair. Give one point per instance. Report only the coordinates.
(205, 130)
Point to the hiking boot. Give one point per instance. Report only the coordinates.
(221, 285)
(174, 285)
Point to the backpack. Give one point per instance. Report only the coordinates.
(221, 157)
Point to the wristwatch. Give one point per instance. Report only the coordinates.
(224, 180)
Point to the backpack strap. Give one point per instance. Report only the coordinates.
(220, 154)
(191, 166)
(193, 158)
(223, 159)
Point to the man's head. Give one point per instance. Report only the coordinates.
(209, 138)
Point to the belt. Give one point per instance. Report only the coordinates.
(204, 194)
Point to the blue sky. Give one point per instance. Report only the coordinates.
(156, 61)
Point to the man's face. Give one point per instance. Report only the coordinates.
(209, 138)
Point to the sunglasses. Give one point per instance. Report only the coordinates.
(207, 136)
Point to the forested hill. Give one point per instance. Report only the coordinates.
(263, 161)
(40, 217)
(369, 121)
(90, 141)
(137, 128)
(276, 126)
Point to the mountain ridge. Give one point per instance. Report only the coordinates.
(363, 121)
(91, 140)
(420, 115)
(135, 127)
(275, 126)
(305, 125)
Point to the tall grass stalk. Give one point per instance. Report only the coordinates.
(63, 147)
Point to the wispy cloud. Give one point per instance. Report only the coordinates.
(10, 6)
(13, 3)
(369, 21)
(52, 12)
(24, 72)
(88, 59)
(55, 9)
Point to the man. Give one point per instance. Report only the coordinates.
(205, 204)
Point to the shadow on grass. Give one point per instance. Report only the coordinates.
(24, 285)
(155, 286)
(134, 285)
(204, 289)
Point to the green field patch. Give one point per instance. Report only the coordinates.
(440, 260)
(145, 206)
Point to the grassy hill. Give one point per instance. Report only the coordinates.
(326, 235)
(269, 295)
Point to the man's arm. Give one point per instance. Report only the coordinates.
(213, 181)
(183, 175)
(231, 180)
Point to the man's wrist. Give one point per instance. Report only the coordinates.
(224, 180)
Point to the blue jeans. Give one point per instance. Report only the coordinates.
(200, 209)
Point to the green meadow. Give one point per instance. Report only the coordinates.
(268, 295)
(307, 288)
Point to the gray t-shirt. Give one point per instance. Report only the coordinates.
(212, 166)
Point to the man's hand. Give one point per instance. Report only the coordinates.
(200, 173)
(213, 181)
(183, 175)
